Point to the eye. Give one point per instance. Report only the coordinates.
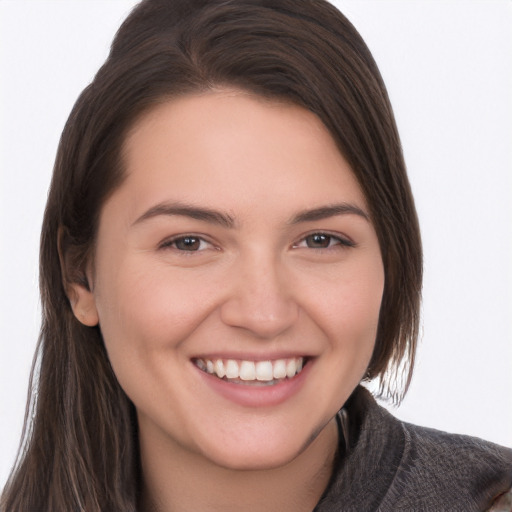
(186, 243)
(323, 241)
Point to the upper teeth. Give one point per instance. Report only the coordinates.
(251, 370)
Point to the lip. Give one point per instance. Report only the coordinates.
(256, 396)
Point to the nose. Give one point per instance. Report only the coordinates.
(260, 299)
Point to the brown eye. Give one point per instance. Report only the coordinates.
(188, 243)
(324, 241)
(320, 241)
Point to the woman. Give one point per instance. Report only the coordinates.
(230, 246)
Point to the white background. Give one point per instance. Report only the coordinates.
(448, 68)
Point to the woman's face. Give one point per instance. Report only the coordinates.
(238, 244)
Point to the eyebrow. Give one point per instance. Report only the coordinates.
(225, 220)
(324, 212)
(186, 210)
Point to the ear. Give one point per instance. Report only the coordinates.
(83, 304)
(76, 280)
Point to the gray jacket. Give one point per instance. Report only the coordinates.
(390, 466)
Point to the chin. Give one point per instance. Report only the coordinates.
(262, 460)
(267, 453)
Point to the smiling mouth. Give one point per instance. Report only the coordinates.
(255, 373)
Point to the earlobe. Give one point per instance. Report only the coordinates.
(83, 304)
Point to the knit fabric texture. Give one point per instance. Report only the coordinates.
(388, 465)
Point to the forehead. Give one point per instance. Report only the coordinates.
(238, 149)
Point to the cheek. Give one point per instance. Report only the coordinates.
(349, 307)
(350, 315)
(146, 316)
(362, 304)
(148, 309)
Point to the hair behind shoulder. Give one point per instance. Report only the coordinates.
(80, 450)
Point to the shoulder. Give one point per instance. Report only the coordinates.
(461, 472)
(420, 468)
(387, 465)
(453, 451)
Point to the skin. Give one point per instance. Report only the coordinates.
(258, 288)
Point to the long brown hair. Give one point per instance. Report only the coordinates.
(79, 451)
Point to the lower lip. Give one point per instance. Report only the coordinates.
(248, 395)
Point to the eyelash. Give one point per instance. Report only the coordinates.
(168, 244)
(339, 242)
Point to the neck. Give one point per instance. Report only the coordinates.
(179, 481)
